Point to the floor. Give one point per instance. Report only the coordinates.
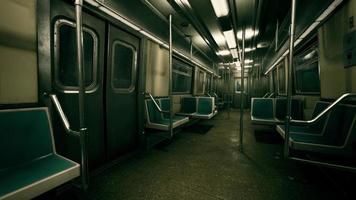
(198, 165)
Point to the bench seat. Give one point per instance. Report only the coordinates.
(336, 137)
(36, 177)
(160, 121)
(29, 164)
(198, 107)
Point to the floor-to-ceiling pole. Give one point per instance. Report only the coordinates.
(242, 63)
(289, 78)
(229, 92)
(81, 94)
(170, 77)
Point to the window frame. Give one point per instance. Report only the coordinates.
(182, 73)
(283, 64)
(303, 53)
(132, 86)
(197, 81)
(74, 89)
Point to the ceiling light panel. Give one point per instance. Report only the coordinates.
(223, 53)
(249, 33)
(230, 39)
(221, 7)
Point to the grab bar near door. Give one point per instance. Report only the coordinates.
(79, 134)
(156, 104)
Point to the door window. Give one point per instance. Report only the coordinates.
(65, 53)
(123, 66)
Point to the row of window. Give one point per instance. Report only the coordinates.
(305, 73)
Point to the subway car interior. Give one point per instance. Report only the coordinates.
(177, 99)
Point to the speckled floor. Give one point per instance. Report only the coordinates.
(210, 166)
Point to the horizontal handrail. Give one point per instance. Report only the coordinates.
(63, 117)
(156, 104)
(270, 95)
(266, 95)
(324, 112)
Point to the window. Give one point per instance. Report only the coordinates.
(281, 69)
(123, 66)
(207, 83)
(181, 77)
(200, 82)
(274, 74)
(306, 72)
(238, 85)
(66, 71)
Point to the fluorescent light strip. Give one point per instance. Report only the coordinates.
(221, 7)
(230, 39)
(223, 52)
(311, 28)
(234, 53)
(101, 6)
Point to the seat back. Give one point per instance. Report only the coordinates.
(153, 114)
(262, 108)
(165, 105)
(281, 108)
(319, 125)
(205, 105)
(189, 104)
(25, 135)
(339, 123)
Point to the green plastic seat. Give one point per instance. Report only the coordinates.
(188, 105)
(337, 137)
(281, 109)
(160, 121)
(29, 164)
(262, 111)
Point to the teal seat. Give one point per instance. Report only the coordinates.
(198, 107)
(262, 111)
(281, 109)
(316, 128)
(160, 121)
(29, 164)
(188, 105)
(337, 137)
(205, 108)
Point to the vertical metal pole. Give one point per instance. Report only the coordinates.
(289, 88)
(170, 77)
(229, 93)
(81, 84)
(242, 92)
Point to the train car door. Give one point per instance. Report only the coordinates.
(121, 91)
(65, 80)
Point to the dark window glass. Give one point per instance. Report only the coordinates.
(274, 74)
(281, 78)
(67, 73)
(238, 85)
(207, 83)
(181, 77)
(200, 82)
(123, 65)
(306, 71)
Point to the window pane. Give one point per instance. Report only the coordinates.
(67, 72)
(200, 82)
(281, 78)
(307, 72)
(275, 80)
(207, 83)
(122, 66)
(181, 77)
